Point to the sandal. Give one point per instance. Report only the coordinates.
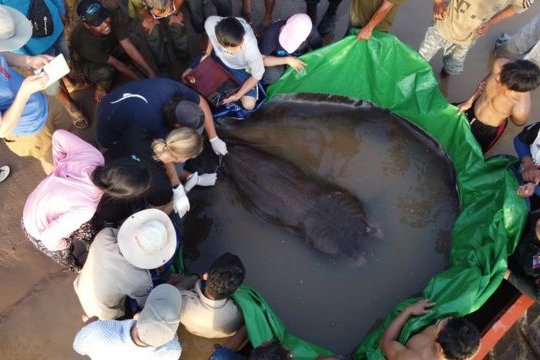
(79, 120)
(4, 172)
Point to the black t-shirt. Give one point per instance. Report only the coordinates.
(269, 44)
(529, 134)
(136, 144)
(87, 47)
(525, 259)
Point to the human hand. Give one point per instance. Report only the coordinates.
(420, 308)
(99, 93)
(38, 61)
(439, 9)
(33, 84)
(177, 19)
(180, 201)
(219, 146)
(526, 190)
(201, 180)
(364, 33)
(295, 63)
(482, 29)
(507, 274)
(234, 97)
(531, 174)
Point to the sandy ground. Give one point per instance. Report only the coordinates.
(39, 312)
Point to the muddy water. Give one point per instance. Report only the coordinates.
(405, 189)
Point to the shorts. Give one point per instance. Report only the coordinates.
(453, 54)
(240, 75)
(486, 135)
(39, 144)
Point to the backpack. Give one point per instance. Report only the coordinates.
(41, 18)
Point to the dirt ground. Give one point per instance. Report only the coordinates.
(39, 312)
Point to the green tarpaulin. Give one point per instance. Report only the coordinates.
(392, 76)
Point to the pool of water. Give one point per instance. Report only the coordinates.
(406, 189)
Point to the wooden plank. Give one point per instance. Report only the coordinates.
(501, 326)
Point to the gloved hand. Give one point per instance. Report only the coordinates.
(180, 201)
(201, 180)
(219, 146)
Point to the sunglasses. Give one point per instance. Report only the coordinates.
(162, 12)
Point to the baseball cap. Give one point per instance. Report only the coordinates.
(295, 31)
(15, 29)
(158, 321)
(189, 114)
(92, 12)
(147, 239)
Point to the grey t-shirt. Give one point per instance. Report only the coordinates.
(248, 58)
(107, 278)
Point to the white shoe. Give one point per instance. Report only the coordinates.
(4, 172)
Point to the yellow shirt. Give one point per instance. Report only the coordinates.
(464, 16)
(363, 10)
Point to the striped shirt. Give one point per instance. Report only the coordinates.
(111, 340)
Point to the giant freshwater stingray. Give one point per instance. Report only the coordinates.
(329, 218)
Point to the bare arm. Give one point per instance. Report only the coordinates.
(10, 118)
(521, 111)
(246, 86)
(136, 56)
(170, 169)
(389, 343)
(209, 126)
(439, 9)
(122, 68)
(237, 340)
(505, 13)
(379, 15)
(292, 61)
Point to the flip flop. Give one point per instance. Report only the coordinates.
(79, 120)
(4, 172)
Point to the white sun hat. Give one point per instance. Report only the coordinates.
(147, 239)
(15, 29)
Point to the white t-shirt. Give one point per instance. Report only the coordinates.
(209, 318)
(111, 340)
(248, 58)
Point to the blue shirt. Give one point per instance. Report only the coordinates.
(138, 102)
(35, 111)
(36, 46)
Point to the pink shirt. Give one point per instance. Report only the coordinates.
(66, 198)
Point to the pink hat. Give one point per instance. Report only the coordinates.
(295, 32)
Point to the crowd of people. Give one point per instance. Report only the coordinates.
(113, 214)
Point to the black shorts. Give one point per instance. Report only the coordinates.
(486, 135)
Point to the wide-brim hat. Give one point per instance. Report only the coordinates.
(295, 31)
(147, 239)
(15, 29)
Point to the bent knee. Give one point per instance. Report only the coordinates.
(248, 102)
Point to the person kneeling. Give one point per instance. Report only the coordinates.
(233, 44)
(151, 334)
(208, 310)
(453, 338)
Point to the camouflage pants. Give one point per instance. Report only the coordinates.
(84, 234)
(453, 54)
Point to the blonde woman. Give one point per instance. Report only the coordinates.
(161, 157)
